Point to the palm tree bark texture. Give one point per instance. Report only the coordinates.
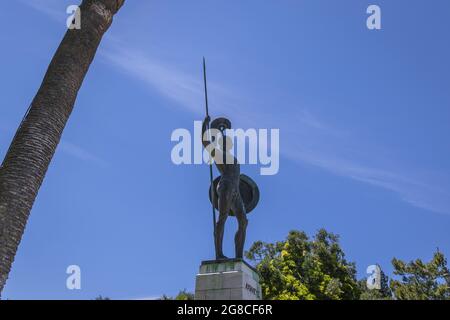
(30, 153)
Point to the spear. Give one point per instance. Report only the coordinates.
(210, 164)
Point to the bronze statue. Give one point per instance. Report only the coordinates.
(234, 194)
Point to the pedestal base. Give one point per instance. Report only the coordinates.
(232, 279)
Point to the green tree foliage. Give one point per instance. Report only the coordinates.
(300, 268)
(422, 281)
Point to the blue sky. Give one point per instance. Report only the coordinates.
(363, 118)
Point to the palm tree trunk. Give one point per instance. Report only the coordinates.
(35, 142)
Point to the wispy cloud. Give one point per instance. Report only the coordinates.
(414, 191)
(181, 87)
(55, 9)
(178, 86)
(81, 153)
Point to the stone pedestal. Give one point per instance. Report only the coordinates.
(232, 279)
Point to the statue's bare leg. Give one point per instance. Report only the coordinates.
(241, 215)
(224, 209)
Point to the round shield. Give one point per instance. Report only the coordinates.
(247, 188)
(221, 124)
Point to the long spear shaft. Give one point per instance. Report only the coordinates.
(210, 165)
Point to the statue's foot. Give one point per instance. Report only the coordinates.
(221, 257)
